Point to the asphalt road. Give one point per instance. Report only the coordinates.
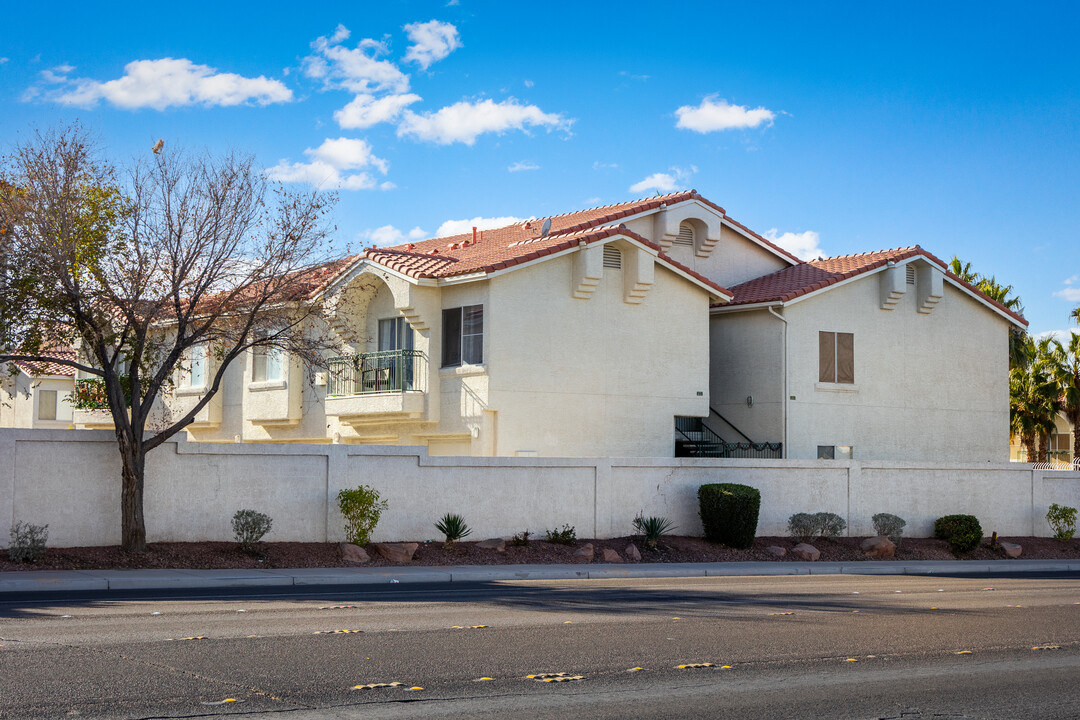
(779, 647)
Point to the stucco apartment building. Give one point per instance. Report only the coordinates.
(640, 329)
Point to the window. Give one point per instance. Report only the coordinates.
(834, 452)
(612, 257)
(267, 364)
(46, 409)
(195, 374)
(836, 357)
(463, 336)
(686, 234)
(395, 334)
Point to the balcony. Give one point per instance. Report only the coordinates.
(377, 387)
(90, 404)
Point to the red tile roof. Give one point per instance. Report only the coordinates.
(513, 244)
(805, 278)
(38, 368)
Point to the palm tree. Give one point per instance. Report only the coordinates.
(1067, 375)
(1034, 396)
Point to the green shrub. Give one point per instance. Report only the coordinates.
(566, 536)
(729, 513)
(521, 539)
(963, 532)
(652, 528)
(453, 527)
(27, 542)
(809, 526)
(362, 509)
(249, 527)
(1062, 519)
(889, 525)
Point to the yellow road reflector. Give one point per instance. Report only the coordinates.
(851, 660)
(725, 667)
(554, 677)
(373, 686)
(195, 637)
(635, 669)
(963, 652)
(568, 622)
(854, 611)
(1046, 647)
(788, 613)
(933, 607)
(226, 701)
(675, 618)
(336, 632)
(457, 627)
(414, 688)
(477, 627)
(1019, 606)
(689, 666)
(483, 679)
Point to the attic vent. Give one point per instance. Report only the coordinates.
(686, 235)
(910, 274)
(612, 257)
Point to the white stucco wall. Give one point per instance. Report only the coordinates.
(927, 386)
(192, 490)
(19, 397)
(747, 360)
(595, 376)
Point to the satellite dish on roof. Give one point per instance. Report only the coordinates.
(545, 228)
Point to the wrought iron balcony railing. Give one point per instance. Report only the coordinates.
(377, 372)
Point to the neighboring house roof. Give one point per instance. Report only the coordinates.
(39, 368)
(805, 278)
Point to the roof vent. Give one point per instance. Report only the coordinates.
(686, 235)
(612, 257)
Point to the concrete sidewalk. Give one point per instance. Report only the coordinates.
(104, 580)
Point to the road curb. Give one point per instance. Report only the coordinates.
(22, 582)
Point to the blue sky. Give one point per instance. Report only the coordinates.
(836, 128)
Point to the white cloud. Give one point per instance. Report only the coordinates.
(164, 83)
(804, 245)
(677, 179)
(457, 227)
(713, 114)
(358, 69)
(523, 165)
(388, 235)
(465, 121)
(432, 41)
(597, 165)
(3, 60)
(529, 83)
(1062, 336)
(1072, 294)
(333, 166)
(366, 110)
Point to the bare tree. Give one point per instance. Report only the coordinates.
(135, 267)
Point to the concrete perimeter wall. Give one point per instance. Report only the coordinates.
(71, 480)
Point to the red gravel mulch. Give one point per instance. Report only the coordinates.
(674, 549)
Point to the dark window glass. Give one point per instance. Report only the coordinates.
(451, 337)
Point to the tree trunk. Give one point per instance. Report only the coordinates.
(1076, 443)
(133, 525)
(1028, 441)
(1044, 441)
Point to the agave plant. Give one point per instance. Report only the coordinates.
(652, 528)
(453, 527)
